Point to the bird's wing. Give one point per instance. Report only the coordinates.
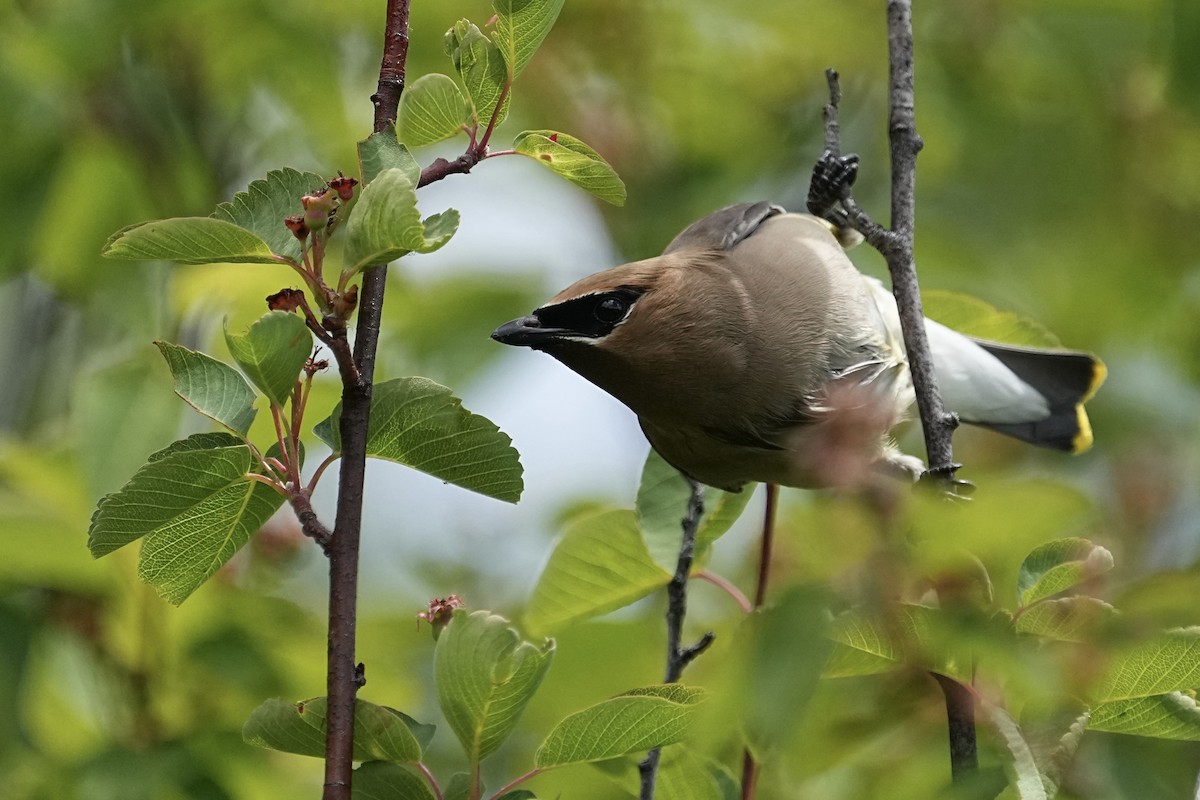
(724, 229)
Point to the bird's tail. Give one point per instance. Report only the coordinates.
(1032, 394)
(1066, 380)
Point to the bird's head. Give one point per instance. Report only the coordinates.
(636, 331)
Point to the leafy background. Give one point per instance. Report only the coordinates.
(1059, 180)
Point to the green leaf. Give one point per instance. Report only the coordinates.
(266, 202)
(482, 68)
(1174, 715)
(386, 225)
(633, 722)
(380, 733)
(601, 564)
(683, 775)
(485, 676)
(195, 506)
(272, 352)
(662, 500)
(188, 240)
(721, 510)
(432, 108)
(379, 780)
(521, 25)
(1168, 663)
(1066, 619)
(1059, 565)
(382, 151)
(213, 388)
(518, 794)
(458, 787)
(785, 648)
(1023, 770)
(573, 160)
(419, 423)
(974, 317)
(865, 646)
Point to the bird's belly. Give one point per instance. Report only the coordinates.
(816, 454)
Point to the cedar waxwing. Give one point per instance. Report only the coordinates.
(753, 350)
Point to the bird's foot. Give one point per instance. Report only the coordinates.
(832, 178)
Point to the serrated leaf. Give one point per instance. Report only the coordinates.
(266, 202)
(1174, 715)
(628, 723)
(197, 441)
(1059, 565)
(521, 25)
(601, 564)
(420, 424)
(573, 160)
(195, 507)
(272, 353)
(486, 674)
(379, 780)
(432, 108)
(380, 733)
(481, 66)
(1023, 770)
(382, 151)
(1066, 619)
(213, 388)
(662, 501)
(188, 240)
(974, 317)
(1168, 663)
(385, 223)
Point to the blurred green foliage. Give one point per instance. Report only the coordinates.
(1059, 179)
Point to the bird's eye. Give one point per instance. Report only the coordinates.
(611, 310)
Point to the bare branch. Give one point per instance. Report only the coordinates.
(678, 656)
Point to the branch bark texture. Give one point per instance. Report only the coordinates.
(345, 676)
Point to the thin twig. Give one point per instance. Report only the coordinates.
(345, 676)
(515, 782)
(727, 587)
(768, 541)
(749, 764)
(678, 657)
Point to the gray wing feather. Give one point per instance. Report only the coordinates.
(724, 229)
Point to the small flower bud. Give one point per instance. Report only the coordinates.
(285, 300)
(344, 187)
(297, 227)
(318, 208)
(438, 615)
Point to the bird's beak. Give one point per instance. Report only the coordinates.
(525, 332)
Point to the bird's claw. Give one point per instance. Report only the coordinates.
(943, 477)
(832, 178)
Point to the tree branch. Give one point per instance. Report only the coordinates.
(345, 676)
(896, 246)
(678, 656)
(960, 716)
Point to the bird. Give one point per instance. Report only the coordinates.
(753, 350)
